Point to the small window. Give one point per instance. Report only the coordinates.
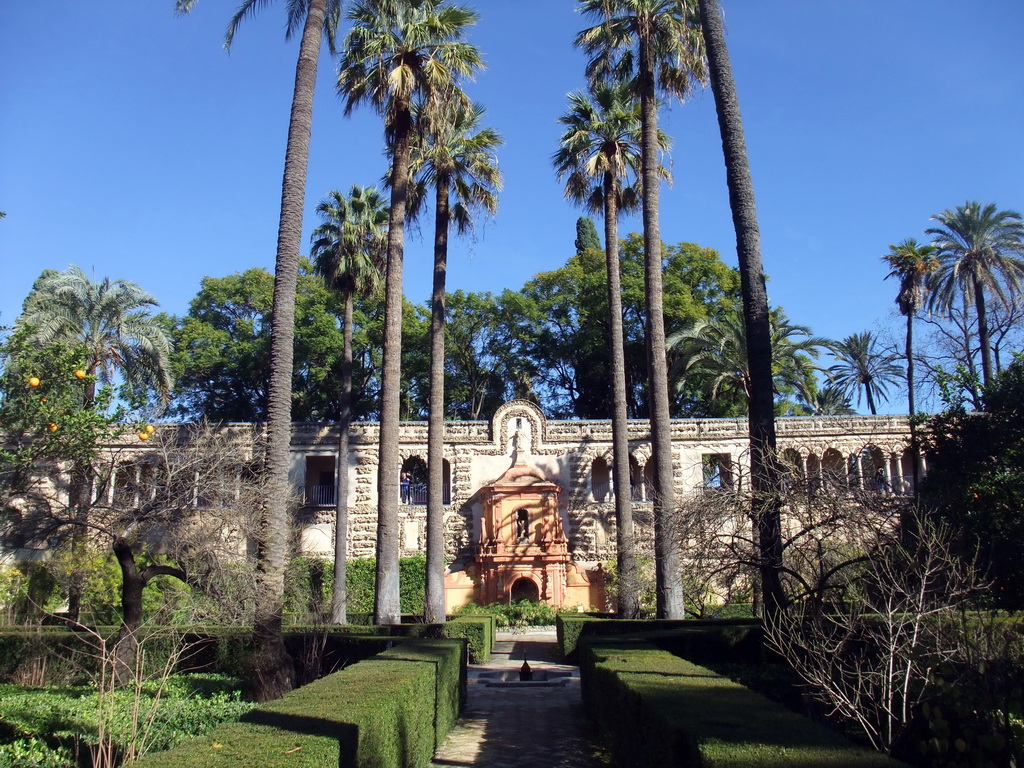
(717, 469)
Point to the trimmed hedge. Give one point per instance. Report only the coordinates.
(659, 709)
(379, 713)
(706, 639)
(478, 630)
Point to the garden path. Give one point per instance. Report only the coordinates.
(533, 725)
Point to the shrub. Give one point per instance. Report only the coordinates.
(521, 614)
(659, 709)
(380, 713)
(63, 723)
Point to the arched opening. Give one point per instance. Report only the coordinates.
(599, 475)
(524, 589)
(792, 469)
(813, 473)
(873, 470)
(833, 471)
(907, 472)
(636, 481)
(413, 481)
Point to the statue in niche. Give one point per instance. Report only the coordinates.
(522, 526)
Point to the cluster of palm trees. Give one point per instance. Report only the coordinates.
(975, 254)
(407, 58)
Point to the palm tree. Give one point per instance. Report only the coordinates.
(396, 50)
(862, 364)
(347, 251)
(456, 157)
(978, 254)
(765, 473)
(830, 400)
(911, 263)
(715, 353)
(274, 673)
(598, 149)
(110, 321)
(656, 44)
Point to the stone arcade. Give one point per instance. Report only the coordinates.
(529, 502)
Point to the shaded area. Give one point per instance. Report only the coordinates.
(522, 727)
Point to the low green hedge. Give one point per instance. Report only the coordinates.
(379, 713)
(704, 639)
(478, 630)
(659, 709)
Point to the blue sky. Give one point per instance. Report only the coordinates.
(133, 146)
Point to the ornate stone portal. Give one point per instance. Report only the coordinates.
(523, 552)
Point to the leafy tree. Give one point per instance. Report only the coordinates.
(486, 361)
(975, 482)
(43, 410)
(348, 248)
(600, 148)
(455, 156)
(317, 18)
(656, 45)
(714, 353)
(586, 236)
(862, 364)
(978, 246)
(222, 350)
(394, 52)
(564, 325)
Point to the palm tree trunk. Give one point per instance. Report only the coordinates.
(273, 669)
(668, 571)
(870, 398)
(434, 606)
(915, 449)
(625, 538)
(765, 472)
(983, 335)
(339, 594)
(387, 601)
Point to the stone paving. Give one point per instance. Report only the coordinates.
(522, 725)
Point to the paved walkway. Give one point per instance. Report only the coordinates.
(515, 725)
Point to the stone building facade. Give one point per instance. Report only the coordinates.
(566, 466)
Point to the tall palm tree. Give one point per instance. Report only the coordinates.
(600, 148)
(456, 156)
(274, 672)
(395, 51)
(765, 472)
(862, 365)
(911, 263)
(348, 251)
(656, 45)
(715, 352)
(979, 249)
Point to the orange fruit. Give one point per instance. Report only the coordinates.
(34, 381)
(79, 374)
